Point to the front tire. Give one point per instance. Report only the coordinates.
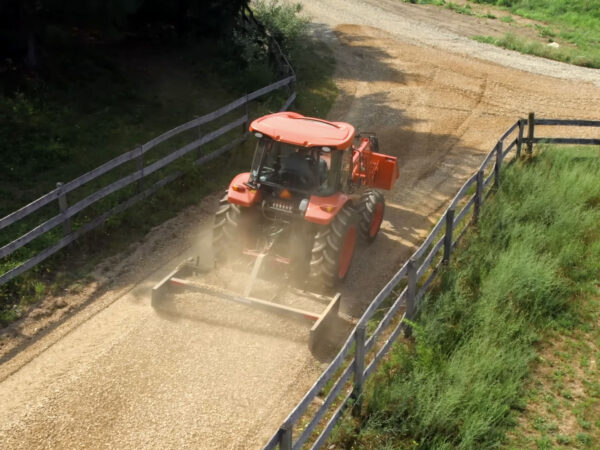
(370, 211)
(333, 248)
(226, 233)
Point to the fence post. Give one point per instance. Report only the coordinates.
(285, 441)
(448, 235)
(520, 138)
(498, 165)
(359, 366)
(199, 149)
(530, 133)
(62, 206)
(140, 167)
(292, 85)
(478, 197)
(245, 124)
(411, 292)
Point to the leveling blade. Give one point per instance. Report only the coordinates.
(321, 321)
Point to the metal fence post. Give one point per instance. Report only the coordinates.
(478, 197)
(498, 165)
(530, 133)
(359, 365)
(448, 235)
(62, 206)
(411, 292)
(520, 138)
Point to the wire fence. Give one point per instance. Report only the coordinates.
(344, 378)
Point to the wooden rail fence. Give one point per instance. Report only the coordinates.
(358, 357)
(65, 211)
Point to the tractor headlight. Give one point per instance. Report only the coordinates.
(303, 205)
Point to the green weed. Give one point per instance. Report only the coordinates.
(576, 21)
(586, 58)
(460, 383)
(466, 10)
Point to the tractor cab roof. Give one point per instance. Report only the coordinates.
(293, 128)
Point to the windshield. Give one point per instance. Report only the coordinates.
(305, 169)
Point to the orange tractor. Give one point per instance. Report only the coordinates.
(310, 193)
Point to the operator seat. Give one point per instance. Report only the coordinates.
(298, 171)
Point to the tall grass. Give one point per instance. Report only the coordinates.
(527, 269)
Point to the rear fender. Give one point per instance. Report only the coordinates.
(240, 194)
(322, 210)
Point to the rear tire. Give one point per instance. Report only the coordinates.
(226, 236)
(370, 211)
(333, 248)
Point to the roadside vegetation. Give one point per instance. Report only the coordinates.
(507, 342)
(576, 24)
(456, 7)
(590, 57)
(99, 90)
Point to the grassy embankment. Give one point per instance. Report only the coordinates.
(99, 99)
(509, 336)
(576, 23)
(456, 7)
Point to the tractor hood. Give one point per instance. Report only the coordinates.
(293, 128)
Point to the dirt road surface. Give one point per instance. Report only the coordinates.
(115, 374)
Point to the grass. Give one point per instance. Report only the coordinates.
(510, 41)
(457, 8)
(58, 129)
(574, 21)
(563, 395)
(529, 275)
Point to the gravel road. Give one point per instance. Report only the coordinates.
(115, 374)
(430, 26)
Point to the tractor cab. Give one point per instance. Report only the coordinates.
(301, 154)
(304, 170)
(297, 214)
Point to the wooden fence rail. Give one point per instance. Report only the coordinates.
(66, 211)
(358, 357)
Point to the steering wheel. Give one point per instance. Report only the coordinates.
(266, 173)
